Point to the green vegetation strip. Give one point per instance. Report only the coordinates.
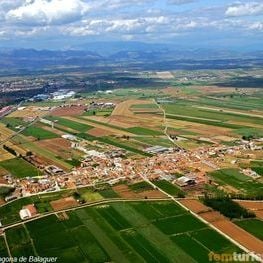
(70, 124)
(113, 142)
(39, 133)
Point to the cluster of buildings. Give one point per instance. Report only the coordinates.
(62, 94)
(111, 165)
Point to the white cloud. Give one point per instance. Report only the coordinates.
(246, 9)
(256, 26)
(44, 12)
(180, 2)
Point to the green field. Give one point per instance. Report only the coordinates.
(140, 187)
(19, 168)
(237, 180)
(253, 226)
(169, 188)
(120, 232)
(3, 249)
(39, 133)
(145, 106)
(144, 131)
(80, 127)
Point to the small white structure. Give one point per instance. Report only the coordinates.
(69, 137)
(27, 212)
(185, 180)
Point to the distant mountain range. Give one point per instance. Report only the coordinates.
(126, 53)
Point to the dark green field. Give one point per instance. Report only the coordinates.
(19, 168)
(39, 133)
(80, 127)
(169, 188)
(120, 232)
(253, 226)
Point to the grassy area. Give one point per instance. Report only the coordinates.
(120, 232)
(12, 122)
(236, 179)
(108, 193)
(19, 168)
(77, 126)
(144, 131)
(39, 133)
(19, 242)
(3, 249)
(140, 187)
(257, 166)
(169, 188)
(114, 142)
(144, 106)
(253, 226)
(154, 141)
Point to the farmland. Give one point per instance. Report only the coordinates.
(253, 226)
(237, 180)
(210, 135)
(19, 168)
(93, 234)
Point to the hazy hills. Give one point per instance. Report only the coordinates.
(127, 54)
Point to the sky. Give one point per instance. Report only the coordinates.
(64, 24)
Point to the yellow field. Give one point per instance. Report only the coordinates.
(30, 112)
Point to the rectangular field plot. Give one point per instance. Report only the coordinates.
(19, 168)
(157, 210)
(179, 224)
(253, 226)
(113, 218)
(3, 248)
(144, 248)
(77, 126)
(141, 231)
(169, 188)
(19, 242)
(237, 180)
(39, 133)
(213, 240)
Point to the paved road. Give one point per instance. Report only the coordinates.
(100, 202)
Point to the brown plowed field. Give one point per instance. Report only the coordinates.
(69, 111)
(226, 226)
(100, 126)
(98, 132)
(254, 206)
(195, 205)
(59, 146)
(123, 108)
(63, 203)
(125, 192)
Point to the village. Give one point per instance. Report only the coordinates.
(185, 169)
